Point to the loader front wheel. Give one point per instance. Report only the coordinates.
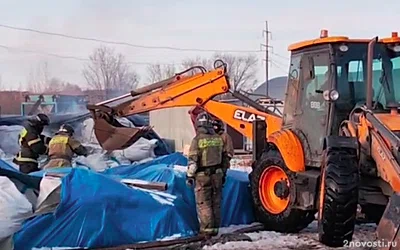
(274, 194)
(338, 197)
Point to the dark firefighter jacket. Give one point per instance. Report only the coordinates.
(32, 144)
(228, 143)
(62, 148)
(206, 150)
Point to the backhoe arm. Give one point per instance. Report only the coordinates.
(386, 163)
(377, 141)
(181, 92)
(384, 150)
(178, 91)
(241, 118)
(199, 91)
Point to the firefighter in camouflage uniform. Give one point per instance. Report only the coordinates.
(207, 168)
(62, 148)
(32, 143)
(219, 129)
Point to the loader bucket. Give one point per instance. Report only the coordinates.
(388, 228)
(114, 137)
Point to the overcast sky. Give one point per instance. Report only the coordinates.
(204, 24)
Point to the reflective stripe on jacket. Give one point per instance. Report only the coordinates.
(32, 144)
(63, 147)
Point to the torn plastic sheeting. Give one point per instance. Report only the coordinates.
(49, 195)
(7, 166)
(9, 139)
(122, 213)
(141, 149)
(12, 173)
(14, 208)
(162, 148)
(131, 170)
(79, 118)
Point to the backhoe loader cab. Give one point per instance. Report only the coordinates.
(323, 160)
(327, 79)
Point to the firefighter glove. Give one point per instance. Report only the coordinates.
(189, 181)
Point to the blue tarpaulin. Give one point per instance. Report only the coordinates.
(97, 210)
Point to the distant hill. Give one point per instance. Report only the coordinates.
(277, 89)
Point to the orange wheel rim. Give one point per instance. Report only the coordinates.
(321, 195)
(272, 198)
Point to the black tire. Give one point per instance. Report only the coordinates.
(290, 220)
(338, 197)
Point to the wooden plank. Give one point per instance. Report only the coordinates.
(157, 244)
(159, 186)
(255, 228)
(190, 241)
(56, 175)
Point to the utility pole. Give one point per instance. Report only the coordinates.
(266, 34)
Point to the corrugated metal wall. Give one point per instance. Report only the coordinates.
(173, 124)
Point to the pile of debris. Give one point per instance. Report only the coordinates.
(103, 200)
(146, 148)
(78, 207)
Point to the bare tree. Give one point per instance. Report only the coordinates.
(158, 72)
(72, 87)
(21, 87)
(242, 70)
(109, 70)
(38, 78)
(56, 85)
(197, 61)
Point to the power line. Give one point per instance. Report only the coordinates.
(125, 43)
(267, 33)
(280, 63)
(283, 57)
(279, 67)
(71, 57)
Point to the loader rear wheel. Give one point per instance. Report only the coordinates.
(338, 197)
(274, 194)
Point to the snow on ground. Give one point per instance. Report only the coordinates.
(242, 163)
(306, 239)
(172, 237)
(58, 248)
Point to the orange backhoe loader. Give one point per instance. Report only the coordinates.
(337, 145)
(181, 90)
